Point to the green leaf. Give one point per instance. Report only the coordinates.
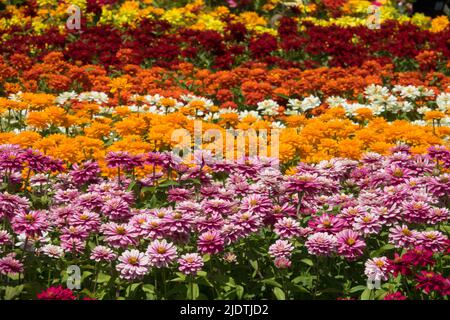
(195, 291)
(102, 278)
(239, 291)
(365, 295)
(357, 288)
(12, 292)
(308, 262)
(279, 294)
(271, 282)
(131, 289)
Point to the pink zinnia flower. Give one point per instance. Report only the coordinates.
(248, 221)
(281, 248)
(438, 215)
(349, 244)
(321, 244)
(326, 223)
(133, 265)
(90, 221)
(282, 263)
(368, 223)
(178, 223)
(378, 268)
(429, 281)
(395, 296)
(102, 253)
(11, 204)
(116, 209)
(5, 237)
(161, 253)
(432, 240)
(416, 211)
(32, 223)
(401, 236)
(56, 293)
(10, 265)
(210, 242)
(287, 228)
(153, 228)
(120, 235)
(190, 263)
(52, 251)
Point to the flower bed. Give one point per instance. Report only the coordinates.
(317, 163)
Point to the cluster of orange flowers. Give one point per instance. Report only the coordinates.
(84, 130)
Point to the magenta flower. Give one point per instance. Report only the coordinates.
(88, 172)
(368, 223)
(32, 223)
(102, 253)
(56, 293)
(89, 221)
(282, 263)
(287, 228)
(432, 240)
(378, 269)
(10, 265)
(210, 242)
(401, 236)
(11, 204)
(5, 238)
(123, 160)
(133, 265)
(116, 209)
(327, 223)
(161, 253)
(281, 248)
(350, 245)
(190, 263)
(395, 296)
(119, 235)
(321, 244)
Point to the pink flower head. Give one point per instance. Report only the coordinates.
(432, 240)
(5, 238)
(161, 253)
(321, 244)
(190, 263)
(88, 220)
(368, 223)
(326, 223)
(56, 293)
(378, 268)
(282, 263)
(401, 236)
(395, 296)
(210, 242)
(349, 244)
(11, 204)
(287, 228)
(416, 211)
(32, 223)
(116, 209)
(281, 248)
(102, 253)
(133, 265)
(120, 235)
(10, 265)
(248, 221)
(52, 251)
